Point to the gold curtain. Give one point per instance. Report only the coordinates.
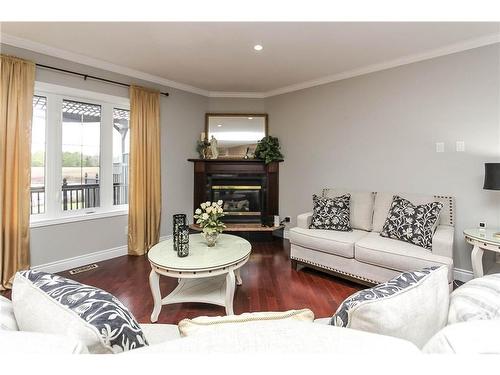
(17, 79)
(144, 168)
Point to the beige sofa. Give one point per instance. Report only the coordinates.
(363, 254)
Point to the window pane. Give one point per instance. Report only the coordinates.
(38, 154)
(121, 144)
(80, 155)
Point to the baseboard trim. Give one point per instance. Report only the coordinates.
(83, 260)
(462, 275)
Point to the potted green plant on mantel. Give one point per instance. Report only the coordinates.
(268, 149)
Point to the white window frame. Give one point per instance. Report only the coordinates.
(54, 214)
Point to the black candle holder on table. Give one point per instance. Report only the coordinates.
(178, 220)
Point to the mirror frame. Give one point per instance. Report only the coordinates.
(265, 115)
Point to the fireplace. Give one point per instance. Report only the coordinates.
(242, 196)
(248, 188)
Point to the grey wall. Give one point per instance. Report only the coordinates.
(182, 119)
(236, 105)
(373, 132)
(377, 132)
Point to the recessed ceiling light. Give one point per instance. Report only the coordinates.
(250, 118)
(219, 126)
(258, 47)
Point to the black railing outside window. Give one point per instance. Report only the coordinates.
(78, 196)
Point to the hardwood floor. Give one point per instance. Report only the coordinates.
(269, 284)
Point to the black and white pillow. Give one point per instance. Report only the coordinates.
(331, 213)
(411, 223)
(48, 303)
(412, 306)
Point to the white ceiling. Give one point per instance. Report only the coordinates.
(217, 58)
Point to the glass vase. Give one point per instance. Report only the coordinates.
(211, 238)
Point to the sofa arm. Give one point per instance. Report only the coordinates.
(442, 241)
(304, 220)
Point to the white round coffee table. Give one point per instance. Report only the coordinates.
(206, 275)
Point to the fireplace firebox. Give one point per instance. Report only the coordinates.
(247, 188)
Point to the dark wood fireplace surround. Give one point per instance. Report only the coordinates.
(206, 170)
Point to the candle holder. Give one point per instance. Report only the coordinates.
(183, 241)
(177, 220)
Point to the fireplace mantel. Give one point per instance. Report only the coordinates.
(205, 170)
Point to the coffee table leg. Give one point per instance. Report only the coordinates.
(230, 287)
(154, 284)
(239, 281)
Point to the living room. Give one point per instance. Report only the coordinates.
(329, 184)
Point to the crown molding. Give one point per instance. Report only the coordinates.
(443, 51)
(96, 63)
(226, 94)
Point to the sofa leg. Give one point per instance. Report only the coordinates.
(294, 264)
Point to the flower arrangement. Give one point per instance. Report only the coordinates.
(208, 217)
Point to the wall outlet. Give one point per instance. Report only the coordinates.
(287, 219)
(439, 146)
(460, 146)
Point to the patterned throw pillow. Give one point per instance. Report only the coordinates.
(331, 213)
(412, 306)
(410, 223)
(48, 303)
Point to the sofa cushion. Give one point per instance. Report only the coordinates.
(474, 337)
(397, 255)
(383, 201)
(327, 241)
(283, 337)
(7, 319)
(49, 303)
(158, 333)
(412, 223)
(33, 343)
(361, 206)
(412, 306)
(478, 299)
(331, 213)
(189, 327)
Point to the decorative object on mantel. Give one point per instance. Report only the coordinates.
(178, 220)
(182, 241)
(268, 149)
(208, 216)
(203, 147)
(213, 148)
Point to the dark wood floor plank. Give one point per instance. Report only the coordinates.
(269, 284)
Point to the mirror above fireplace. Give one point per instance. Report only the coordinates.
(237, 134)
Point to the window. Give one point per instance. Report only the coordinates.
(121, 145)
(80, 149)
(81, 125)
(38, 155)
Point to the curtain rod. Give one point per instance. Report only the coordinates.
(85, 76)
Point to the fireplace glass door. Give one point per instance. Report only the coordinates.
(241, 203)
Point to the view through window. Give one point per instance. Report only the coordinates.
(80, 155)
(38, 155)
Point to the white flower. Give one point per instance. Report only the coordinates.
(214, 204)
(220, 210)
(203, 205)
(204, 216)
(219, 202)
(209, 210)
(198, 211)
(208, 203)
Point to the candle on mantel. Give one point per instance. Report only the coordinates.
(202, 136)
